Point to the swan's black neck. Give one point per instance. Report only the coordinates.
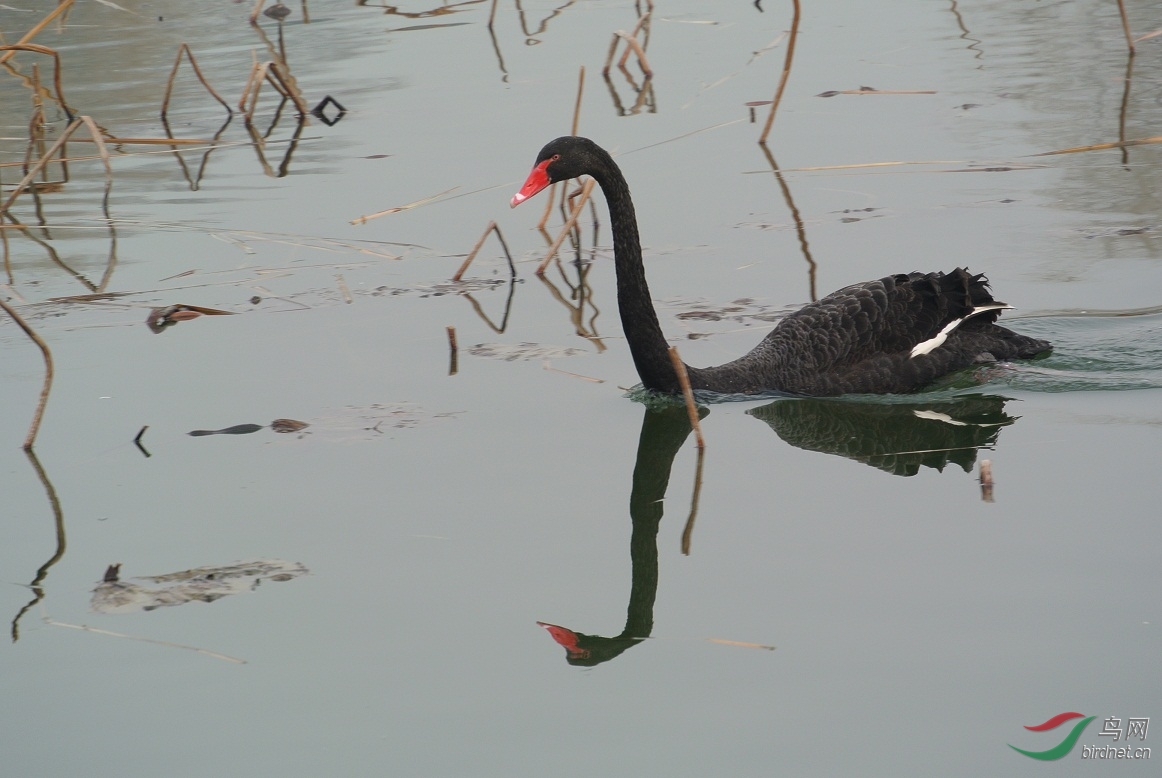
(647, 344)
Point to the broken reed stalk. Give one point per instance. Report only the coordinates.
(688, 394)
(1126, 26)
(30, 439)
(453, 352)
(641, 22)
(197, 72)
(44, 160)
(476, 249)
(688, 531)
(785, 76)
(60, 9)
(56, 74)
(577, 208)
(577, 104)
(255, 11)
(631, 42)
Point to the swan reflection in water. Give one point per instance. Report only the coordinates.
(898, 438)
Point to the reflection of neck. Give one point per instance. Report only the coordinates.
(663, 433)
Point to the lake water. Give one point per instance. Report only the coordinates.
(516, 568)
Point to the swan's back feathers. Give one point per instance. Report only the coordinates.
(860, 339)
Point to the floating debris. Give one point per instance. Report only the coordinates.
(201, 584)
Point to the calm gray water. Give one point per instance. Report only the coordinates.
(362, 597)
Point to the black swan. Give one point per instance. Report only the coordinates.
(892, 335)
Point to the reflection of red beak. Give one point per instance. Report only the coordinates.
(566, 638)
(538, 179)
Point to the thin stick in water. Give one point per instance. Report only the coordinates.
(785, 76)
(688, 394)
(1126, 26)
(30, 439)
(688, 532)
(476, 249)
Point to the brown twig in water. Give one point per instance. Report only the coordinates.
(1126, 26)
(785, 76)
(44, 160)
(30, 439)
(986, 480)
(38, 49)
(166, 643)
(197, 72)
(1102, 146)
(800, 227)
(476, 249)
(60, 9)
(688, 531)
(453, 351)
(577, 208)
(408, 207)
(688, 394)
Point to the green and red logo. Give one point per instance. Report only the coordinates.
(1066, 745)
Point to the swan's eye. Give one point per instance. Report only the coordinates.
(555, 157)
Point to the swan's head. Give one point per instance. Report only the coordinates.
(564, 158)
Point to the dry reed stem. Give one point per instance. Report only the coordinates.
(255, 11)
(1126, 26)
(1102, 146)
(44, 160)
(688, 394)
(476, 249)
(577, 103)
(60, 9)
(688, 531)
(408, 207)
(207, 652)
(197, 72)
(56, 75)
(636, 29)
(642, 62)
(115, 141)
(102, 151)
(577, 208)
(30, 439)
(289, 88)
(343, 288)
(835, 92)
(786, 74)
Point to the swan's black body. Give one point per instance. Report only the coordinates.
(856, 340)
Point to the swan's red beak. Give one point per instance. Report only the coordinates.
(537, 180)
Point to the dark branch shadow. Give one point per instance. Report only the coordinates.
(59, 523)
